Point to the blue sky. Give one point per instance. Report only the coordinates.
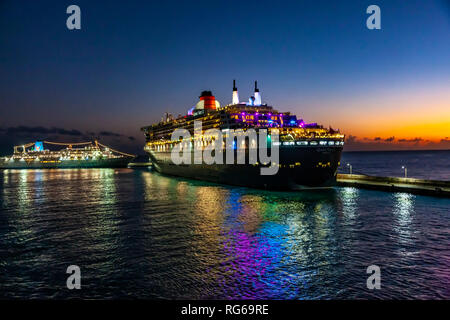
(132, 61)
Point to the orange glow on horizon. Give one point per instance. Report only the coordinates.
(404, 113)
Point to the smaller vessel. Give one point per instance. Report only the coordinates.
(74, 155)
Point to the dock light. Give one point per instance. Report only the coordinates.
(406, 171)
(350, 167)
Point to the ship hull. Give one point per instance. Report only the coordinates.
(301, 167)
(66, 164)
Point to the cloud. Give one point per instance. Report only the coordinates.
(410, 140)
(351, 139)
(21, 130)
(354, 143)
(109, 134)
(115, 135)
(40, 131)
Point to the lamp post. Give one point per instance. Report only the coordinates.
(406, 171)
(350, 167)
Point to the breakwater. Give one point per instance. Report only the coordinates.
(412, 185)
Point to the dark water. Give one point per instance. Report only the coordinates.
(135, 233)
(434, 165)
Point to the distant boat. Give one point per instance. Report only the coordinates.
(74, 155)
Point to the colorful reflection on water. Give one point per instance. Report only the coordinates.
(135, 233)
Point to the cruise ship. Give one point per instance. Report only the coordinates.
(309, 154)
(35, 155)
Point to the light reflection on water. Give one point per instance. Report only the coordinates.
(404, 212)
(135, 233)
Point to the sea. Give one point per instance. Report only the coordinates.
(135, 233)
(431, 165)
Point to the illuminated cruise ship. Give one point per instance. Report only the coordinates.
(74, 155)
(309, 154)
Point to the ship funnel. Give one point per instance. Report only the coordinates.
(257, 95)
(207, 101)
(235, 94)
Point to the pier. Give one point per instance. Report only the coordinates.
(411, 185)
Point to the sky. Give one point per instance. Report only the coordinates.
(386, 89)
